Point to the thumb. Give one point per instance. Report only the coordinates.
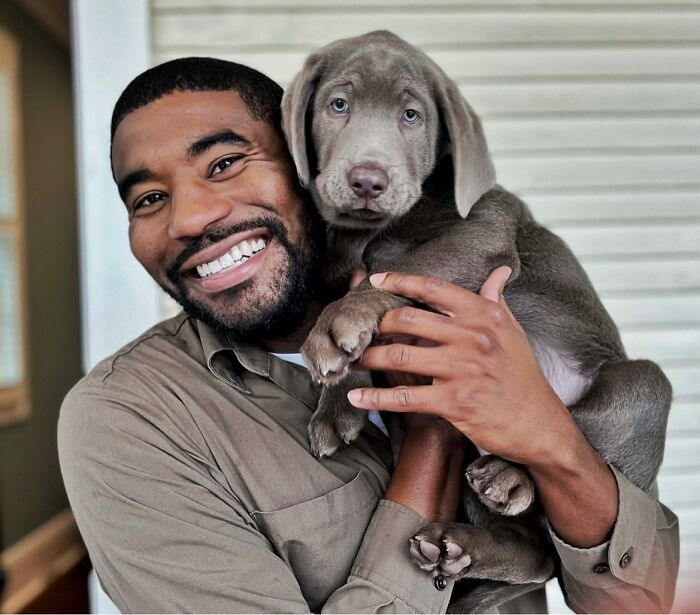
(494, 285)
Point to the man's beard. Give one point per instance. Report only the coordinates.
(290, 294)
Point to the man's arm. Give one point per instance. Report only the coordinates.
(487, 383)
(166, 534)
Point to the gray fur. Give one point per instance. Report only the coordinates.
(443, 215)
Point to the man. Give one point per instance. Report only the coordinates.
(185, 454)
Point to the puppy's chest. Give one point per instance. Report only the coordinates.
(385, 252)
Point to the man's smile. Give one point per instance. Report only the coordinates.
(228, 262)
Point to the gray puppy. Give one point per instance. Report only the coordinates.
(398, 166)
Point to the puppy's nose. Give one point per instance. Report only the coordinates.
(368, 182)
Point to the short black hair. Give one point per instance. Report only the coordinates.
(261, 95)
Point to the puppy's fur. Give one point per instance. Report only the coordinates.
(439, 212)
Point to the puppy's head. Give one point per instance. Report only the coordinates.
(367, 119)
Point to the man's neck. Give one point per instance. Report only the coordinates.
(291, 343)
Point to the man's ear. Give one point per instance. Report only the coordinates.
(474, 172)
(295, 104)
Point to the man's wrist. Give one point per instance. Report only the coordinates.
(428, 476)
(578, 492)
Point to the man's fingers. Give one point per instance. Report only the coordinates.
(442, 296)
(416, 322)
(492, 289)
(403, 358)
(421, 399)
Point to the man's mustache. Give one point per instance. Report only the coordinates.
(275, 227)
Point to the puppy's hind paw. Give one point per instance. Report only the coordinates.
(503, 487)
(433, 549)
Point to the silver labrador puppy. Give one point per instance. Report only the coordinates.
(398, 166)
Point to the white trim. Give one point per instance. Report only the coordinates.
(111, 45)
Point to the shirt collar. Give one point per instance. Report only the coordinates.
(217, 352)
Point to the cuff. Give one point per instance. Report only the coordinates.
(626, 556)
(384, 560)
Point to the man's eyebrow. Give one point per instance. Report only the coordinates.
(132, 179)
(202, 144)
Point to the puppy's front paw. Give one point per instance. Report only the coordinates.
(439, 549)
(340, 336)
(504, 488)
(329, 433)
(336, 421)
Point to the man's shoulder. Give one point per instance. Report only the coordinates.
(169, 338)
(124, 393)
(136, 374)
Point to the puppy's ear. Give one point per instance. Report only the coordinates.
(295, 103)
(474, 173)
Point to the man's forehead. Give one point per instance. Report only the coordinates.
(174, 121)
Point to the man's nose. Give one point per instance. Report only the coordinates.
(193, 210)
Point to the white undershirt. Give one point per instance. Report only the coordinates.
(292, 357)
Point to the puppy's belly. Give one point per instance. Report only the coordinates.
(563, 373)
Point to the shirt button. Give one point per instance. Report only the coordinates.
(601, 568)
(626, 559)
(440, 582)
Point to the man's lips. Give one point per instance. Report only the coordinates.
(220, 248)
(232, 276)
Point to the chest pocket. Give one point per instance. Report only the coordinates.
(319, 539)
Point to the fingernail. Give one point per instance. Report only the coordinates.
(354, 396)
(509, 271)
(376, 279)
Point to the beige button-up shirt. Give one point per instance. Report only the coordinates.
(187, 464)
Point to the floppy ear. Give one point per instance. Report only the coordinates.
(474, 173)
(295, 104)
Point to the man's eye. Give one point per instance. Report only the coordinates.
(221, 165)
(149, 199)
(340, 105)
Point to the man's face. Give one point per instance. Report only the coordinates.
(215, 213)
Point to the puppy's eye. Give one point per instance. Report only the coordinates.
(410, 116)
(340, 105)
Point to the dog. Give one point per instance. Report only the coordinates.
(398, 166)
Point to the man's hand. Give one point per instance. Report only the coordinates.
(488, 384)
(485, 378)
(412, 421)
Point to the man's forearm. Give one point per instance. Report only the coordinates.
(428, 477)
(578, 492)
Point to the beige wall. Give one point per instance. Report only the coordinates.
(30, 481)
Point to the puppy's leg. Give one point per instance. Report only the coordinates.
(336, 422)
(509, 551)
(623, 415)
(504, 487)
(344, 330)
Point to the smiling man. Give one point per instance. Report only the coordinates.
(186, 456)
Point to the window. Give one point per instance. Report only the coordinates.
(14, 403)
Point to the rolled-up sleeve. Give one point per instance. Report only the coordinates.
(635, 571)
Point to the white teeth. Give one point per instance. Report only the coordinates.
(233, 258)
(245, 248)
